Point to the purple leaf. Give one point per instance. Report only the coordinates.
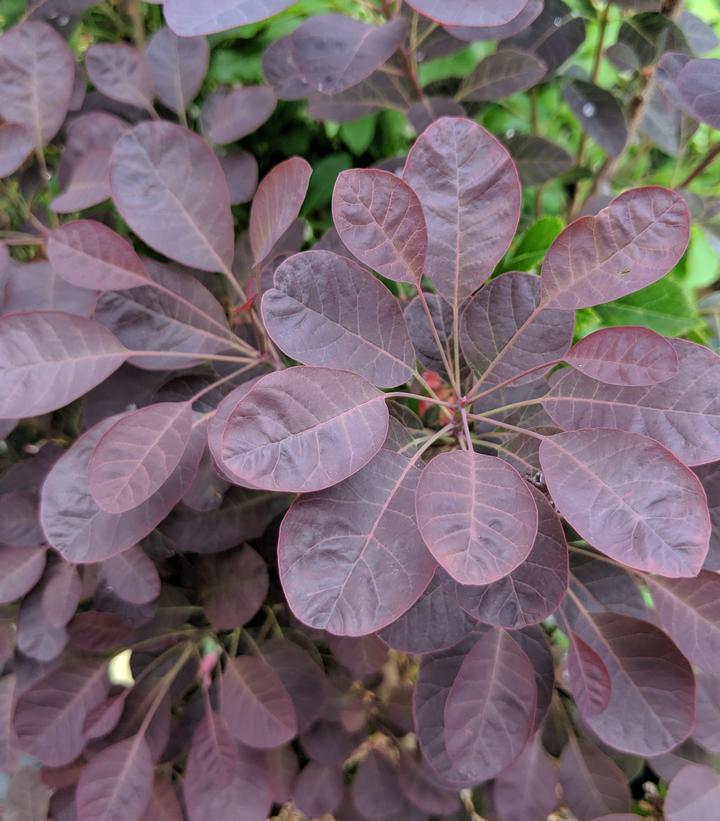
(83, 533)
(328, 742)
(334, 53)
(50, 358)
(710, 477)
(435, 622)
(374, 789)
(468, 12)
(178, 66)
(476, 515)
(527, 788)
(35, 286)
(681, 413)
(164, 804)
(592, 783)
(693, 794)
(651, 707)
(234, 588)
(20, 570)
(502, 74)
(175, 313)
(423, 113)
(688, 610)
(49, 716)
(351, 559)
(633, 242)
(61, 593)
(187, 19)
(380, 91)
(136, 456)
(121, 73)
(282, 73)
(380, 219)
(27, 796)
(292, 432)
(599, 113)
(538, 160)
(277, 204)
(117, 783)
(319, 789)
(630, 498)
(553, 36)
(187, 218)
(421, 788)
(699, 86)
(89, 184)
(37, 74)
(238, 113)
(504, 333)
(707, 712)
(528, 14)
(420, 331)
(470, 193)
(241, 175)
(601, 586)
(91, 255)
(214, 749)
(86, 133)
(302, 677)
(534, 590)
(103, 718)
(16, 144)
(328, 311)
(589, 677)
(255, 705)
(133, 576)
(490, 709)
(34, 636)
(625, 356)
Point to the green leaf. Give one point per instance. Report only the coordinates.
(323, 179)
(231, 67)
(663, 306)
(533, 245)
(701, 265)
(358, 135)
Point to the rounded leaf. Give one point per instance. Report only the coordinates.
(121, 73)
(178, 66)
(235, 586)
(593, 785)
(468, 12)
(20, 570)
(239, 113)
(476, 515)
(304, 429)
(133, 576)
(188, 18)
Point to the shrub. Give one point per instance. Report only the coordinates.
(380, 507)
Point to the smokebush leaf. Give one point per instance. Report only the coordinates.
(117, 782)
(502, 74)
(531, 592)
(83, 533)
(698, 85)
(20, 570)
(50, 358)
(241, 175)
(421, 114)
(91, 255)
(120, 72)
(589, 677)
(187, 19)
(136, 456)
(186, 217)
(599, 113)
(37, 74)
(329, 311)
(527, 15)
(467, 12)
(235, 586)
(470, 193)
(34, 286)
(238, 113)
(380, 219)
(707, 714)
(476, 515)
(334, 53)
(16, 144)
(553, 36)
(35, 637)
(526, 789)
(693, 794)
(351, 559)
(592, 783)
(709, 475)
(255, 705)
(303, 441)
(681, 413)
(688, 610)
(503, 333)
(281, 71)
(318, 789)
(164, 804)
(88, 185)
(602, 586)
(421, 788)
(538, 160)
(625, 356)
(490, 709)
(103, 718)
(175, 313)
(61, 591)
(630, 498)
(435, 622)
(633, 242)
(276, 204)
(132, 575)
(27, 796)
(651, 707)
(421, 333)
(374, 789)
(178, 66)
(49, 716)
(213, 745)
